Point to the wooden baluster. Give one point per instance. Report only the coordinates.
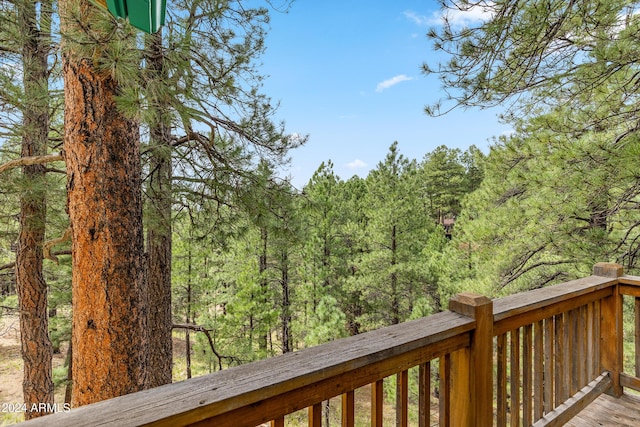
(567, 355)
(402, 401)
(377, 396)
(611, 327)
(515, 378)
(348, 409)
(445, 391)
(315, 415)
(538, 378)
(424, 392)
(502, 380)
(591, 340)
(527, 375)
(278, 422)
(583, 378)
(637, 335)
(559, 365)
(597, 312)
(549, 363)
(573, 363)
(459, 380)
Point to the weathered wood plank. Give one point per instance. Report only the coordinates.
(402, 402)
(527, 375)
(501, 382)
(514, 377)
(348, 409)
(480, 388)
(507, 321)
(576, 403)
(377, 403)
(609, 411)
(315, 415)
(636, 329)
(630, 382)
(460, 388)
(445, 391)
(573, 362)
(534, 300)
(629, 280)
(283, 384)
(559, 362)
(591, 342)
(596, 335)
(611, 339)
(424, 391)
(583, 378)
(630, 290)
(549, 363)
(538, 377)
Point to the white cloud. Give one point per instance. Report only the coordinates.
(457, 18)
(473, 15)
(392, 82)
(356, 164)
(418, 19)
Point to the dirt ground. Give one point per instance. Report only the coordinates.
(11, 367)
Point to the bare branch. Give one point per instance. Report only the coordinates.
(33, 160)
(46, 248)
(7, 266)
(199, 328)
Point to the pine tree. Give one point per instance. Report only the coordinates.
(397, 230)
(36, 346)
(102, 153)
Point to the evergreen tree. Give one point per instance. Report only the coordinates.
(553, 203)
(326, 258)
(35, 40)
(396, 232)
(102, 153)
(443, 180)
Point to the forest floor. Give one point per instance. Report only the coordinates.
(11, 370)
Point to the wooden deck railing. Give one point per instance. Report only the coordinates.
(535, 358)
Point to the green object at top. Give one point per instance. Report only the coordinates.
(146, 15)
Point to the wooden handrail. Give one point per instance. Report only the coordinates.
(533, 336)
(282, 384)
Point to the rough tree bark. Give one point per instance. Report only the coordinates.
(102, 153)
(36, 346)
(159, 226)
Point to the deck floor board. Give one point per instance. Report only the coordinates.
(609, 411)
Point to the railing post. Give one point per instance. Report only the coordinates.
(611, 327)
(472, 386)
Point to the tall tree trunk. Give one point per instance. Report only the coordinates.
(159, 226)
(188, 316)
(102, 153)
(286, 305)
(36, 346)
(263, 339)
(395, 299)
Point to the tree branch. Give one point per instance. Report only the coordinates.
(33, 160)
(46, 248)
(199, 328)
(7, 266)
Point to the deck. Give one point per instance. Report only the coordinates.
(609, 411)
(547, 357)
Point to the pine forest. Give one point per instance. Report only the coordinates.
(148, 234)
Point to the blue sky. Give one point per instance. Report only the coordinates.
(347, 73)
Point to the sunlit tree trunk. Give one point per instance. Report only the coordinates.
(36, 346)
(102, 154)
